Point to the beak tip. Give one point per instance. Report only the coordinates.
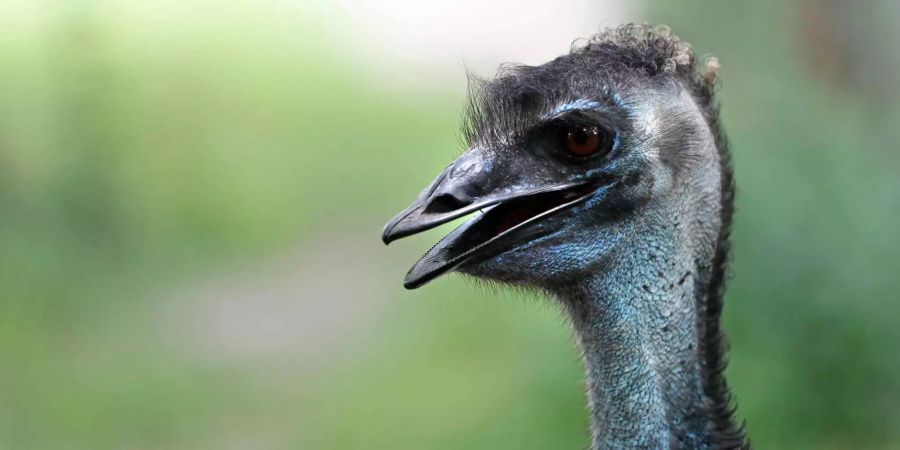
(394, 229)
(387, 234)
(390, 235)
(411, 283)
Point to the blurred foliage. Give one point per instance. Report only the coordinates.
(146, 144)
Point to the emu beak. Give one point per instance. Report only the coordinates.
(457, 191)
(471, 184)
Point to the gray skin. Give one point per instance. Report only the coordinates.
(629, 262)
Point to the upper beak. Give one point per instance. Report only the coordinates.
(458, 190)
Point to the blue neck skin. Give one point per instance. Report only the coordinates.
(637, 322)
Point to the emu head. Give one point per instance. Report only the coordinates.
(575, 163)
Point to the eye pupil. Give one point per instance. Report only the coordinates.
(581, 137)
(585, 141)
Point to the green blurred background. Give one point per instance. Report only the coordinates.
(192, 193)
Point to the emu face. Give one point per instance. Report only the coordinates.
(567, 164)
(604, 179)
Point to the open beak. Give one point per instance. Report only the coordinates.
(511, 215)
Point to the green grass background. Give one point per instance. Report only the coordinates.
(162, 163)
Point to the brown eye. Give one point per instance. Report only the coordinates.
(584, 141)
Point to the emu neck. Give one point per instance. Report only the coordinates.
(638, 322)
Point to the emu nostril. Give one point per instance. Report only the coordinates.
(446, 202)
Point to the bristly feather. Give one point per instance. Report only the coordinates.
(714, 344)
(501, 111)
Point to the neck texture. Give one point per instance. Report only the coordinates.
(644, 372)
(640, 334)
(647, 321)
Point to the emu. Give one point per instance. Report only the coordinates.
(603, 179)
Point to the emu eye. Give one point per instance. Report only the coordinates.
(587, 141)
